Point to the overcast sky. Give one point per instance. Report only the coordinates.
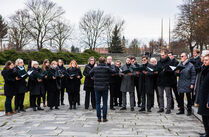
(142, 17)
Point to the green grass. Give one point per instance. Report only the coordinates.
(26, 100)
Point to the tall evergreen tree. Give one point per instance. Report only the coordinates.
(116, 45)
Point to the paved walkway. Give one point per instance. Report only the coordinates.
(81, 122)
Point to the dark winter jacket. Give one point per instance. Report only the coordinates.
(101, 75)
(52, 85)
(175, 63)
(73, 85)
(148, 79)
(197, 63)
(165, 74)
(112, 77)
(9, 82)
(204, 92)
(35, 87)
(187, 78)
(20, 85)
(136, 77)
(89, 82)
(117, 76)
(62, 71)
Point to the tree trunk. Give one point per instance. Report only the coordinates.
(191, 49)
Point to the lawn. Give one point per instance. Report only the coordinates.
(26, 100)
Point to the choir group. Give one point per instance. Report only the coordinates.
(47, 83)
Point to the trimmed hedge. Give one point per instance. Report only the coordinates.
(39, 56)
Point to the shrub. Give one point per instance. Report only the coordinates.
(39, 56)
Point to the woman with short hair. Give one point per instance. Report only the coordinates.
(35, 85)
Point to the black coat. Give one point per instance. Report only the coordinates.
(73, 85)
(9, 82)
(45, 80)
(62, 71)
(175, 63)
(136, 78)
(204, 92)
(20, 85)
(112, 77)
(148, 79)
(35, 87)
(165, 74)
(101, 75)
(52, 85)
(197, 63)
(89, 82)
(117, 77)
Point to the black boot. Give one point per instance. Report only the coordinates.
(34, 108)
(160, 110)
(181, 111)
(70, 107)
(189, 112)
(39, 108)
(62, 103)
(142, 109)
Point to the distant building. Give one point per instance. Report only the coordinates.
(101, 50)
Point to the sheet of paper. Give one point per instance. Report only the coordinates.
(150, 69)
(172, 67)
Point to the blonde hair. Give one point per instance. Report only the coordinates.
(73, 61)
(18, 61)
(44, 64)
(53, 62)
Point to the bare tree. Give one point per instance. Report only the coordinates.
(18, 34)
(3, 30)
(41, 14)
(154, 46)
(134, 47)
(93, 26)
(109, 30)
(185, 26)
(61, 33)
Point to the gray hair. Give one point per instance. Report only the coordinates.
(34, 63)
(205, 52)
(153, 59)
(18, 61)
(109, 57)
(90, 58)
